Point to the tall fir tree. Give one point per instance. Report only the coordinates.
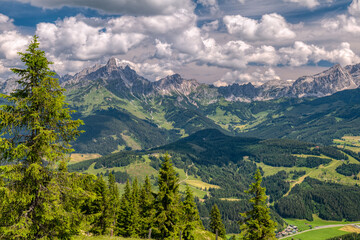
(122, 225)
(128, 222)
(167, 202)
(101, 207)
(35, 134)
(190, 216)
(134, 220)
(216, 222)
(257, 223)
(114, 201)
(147, 210)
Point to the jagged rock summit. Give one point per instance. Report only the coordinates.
(121, 78)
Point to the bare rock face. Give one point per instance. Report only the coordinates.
(328, 82)
(120, 78)
(175, 84)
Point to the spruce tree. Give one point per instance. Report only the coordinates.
(147, 210)
(134, 220)
(122, 227)
(35, 134)
(257, 223)
(101, 207)
(216, 222)
(114, 201)
(190, 217)
(167, 202)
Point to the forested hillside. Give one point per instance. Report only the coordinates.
(219, 168)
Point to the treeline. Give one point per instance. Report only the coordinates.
(280, 153)
(330, 201)
(120, 159)
(120, 177)
(276, 185)
(350, 236)
(348, 169)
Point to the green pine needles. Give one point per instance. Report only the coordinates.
(257, 223)
(216, 224)
(35, 134)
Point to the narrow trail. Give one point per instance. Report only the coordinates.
(187, 177)
(301, 179)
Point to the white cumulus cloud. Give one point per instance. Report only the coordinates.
(6, 23)
(271, 26)
(12, 42)
(257, 77)
(163, 50)
(354, 8)
(301, 54)
(78, 40)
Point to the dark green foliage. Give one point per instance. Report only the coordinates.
(312, 162)
(257, 223)
(348, 169)
(311, 120)
(190, 216)
(128, 222)
(297, 174)
(294, 205)
(120, 159)
(120, 177)
(216, 224)
(35, 134)
(349, 236)
(147, 210)
(114, 201)
(213, 147)
(352, 153)
(101, 208)
(167, 202)
(103, 125)
(276, 185)
(330, 201)
(332, 152)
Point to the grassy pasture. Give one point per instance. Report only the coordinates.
(320, 234)
(304, 224)
(79, 157)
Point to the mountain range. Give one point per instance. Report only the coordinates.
(123, 110)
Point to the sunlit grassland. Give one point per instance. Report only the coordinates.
(323, 172)
(304, 224)
(320, 234)
(79, 157)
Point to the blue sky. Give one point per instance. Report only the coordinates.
(214, 41)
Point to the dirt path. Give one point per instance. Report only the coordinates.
(301, 179)
(187, 177)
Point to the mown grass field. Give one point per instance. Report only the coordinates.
(349, 142)
(323, 172)
(79, 157)
(320, 234)
(304, 224)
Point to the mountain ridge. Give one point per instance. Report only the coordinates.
(120, 75)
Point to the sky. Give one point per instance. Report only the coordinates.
(214, 41)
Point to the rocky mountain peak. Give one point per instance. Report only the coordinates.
(175, 83)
